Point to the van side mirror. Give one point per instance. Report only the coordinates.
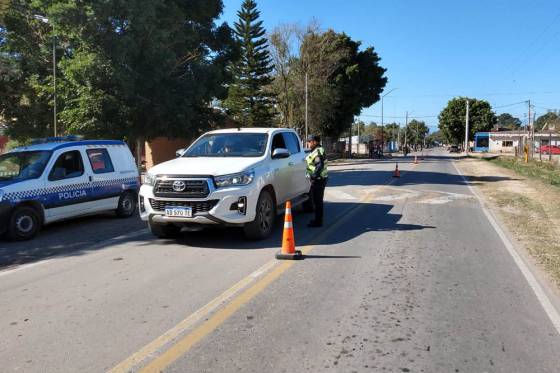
(179, 152)
(280, 153)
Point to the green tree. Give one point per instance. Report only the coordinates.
(551, 119)
(343, 79)
(249, 101)
(125, 68)
(452, 118)
(506, 120)
(416, 132)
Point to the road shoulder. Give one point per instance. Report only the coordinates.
(527, 211)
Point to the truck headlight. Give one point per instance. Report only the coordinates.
(242, 178)
(149, 179)
(1, 195)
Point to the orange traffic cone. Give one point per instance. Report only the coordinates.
(289, 251)
(397, 173)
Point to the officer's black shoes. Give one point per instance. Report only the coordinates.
(314, 224)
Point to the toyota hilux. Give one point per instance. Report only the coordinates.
(234, 177)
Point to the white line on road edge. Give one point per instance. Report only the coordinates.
(546, 304)
(113, 241)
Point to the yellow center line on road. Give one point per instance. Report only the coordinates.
(183, 345)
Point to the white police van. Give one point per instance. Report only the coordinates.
(64, 177)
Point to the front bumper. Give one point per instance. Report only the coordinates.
(216, 208)
(5, 213)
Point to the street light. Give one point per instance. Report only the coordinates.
(382, 124)
(46, 20)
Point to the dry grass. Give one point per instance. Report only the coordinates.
(529, 206)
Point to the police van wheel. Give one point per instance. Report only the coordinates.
(25, 223)
(263, 224)
(127, 205)
(164, 230)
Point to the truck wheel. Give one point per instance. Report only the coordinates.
(262, 226)
(127, 205)
(164, 230)
(25, 223)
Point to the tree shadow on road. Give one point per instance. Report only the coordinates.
(68, 238)
(365, 217)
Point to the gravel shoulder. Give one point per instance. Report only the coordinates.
(529, 208)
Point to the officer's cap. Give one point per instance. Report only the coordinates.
(314, 138)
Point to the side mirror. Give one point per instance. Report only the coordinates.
(179, 152)
(280, 153)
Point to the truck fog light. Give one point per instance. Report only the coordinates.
(141, 204)
(242, 205)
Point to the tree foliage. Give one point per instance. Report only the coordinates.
(550, 119)
(133, 68)
(342, 78)
(506, 120)
(452, 118)
(249, 102)
(416, 131)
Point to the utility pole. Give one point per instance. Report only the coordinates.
(54, 76)
(382, 122)
(467, 129)
(306, 125)
(399, 137)
(46, 20)
(405, 129)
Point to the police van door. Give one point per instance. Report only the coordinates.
(68, 187)
(105, 186)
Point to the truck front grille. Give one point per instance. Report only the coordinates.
(193, 189)
(197, 206)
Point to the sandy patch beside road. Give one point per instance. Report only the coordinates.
(529, 208)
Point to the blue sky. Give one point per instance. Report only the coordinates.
(504, 51)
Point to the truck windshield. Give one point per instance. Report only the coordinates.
(229, 145)
(23, 165)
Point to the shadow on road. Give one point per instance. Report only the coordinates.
(68, 238)
(368, 217)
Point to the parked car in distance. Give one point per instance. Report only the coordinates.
(549, 149)
(453, 149)
(233, 177)
(64, 177)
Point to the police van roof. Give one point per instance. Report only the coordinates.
(50, 146)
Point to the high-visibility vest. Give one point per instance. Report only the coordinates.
(310, 160)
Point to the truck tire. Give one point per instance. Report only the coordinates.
(127, 205)
(164, 230)
(263, 224)
(24, 224)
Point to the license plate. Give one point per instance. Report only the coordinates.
(178, 212)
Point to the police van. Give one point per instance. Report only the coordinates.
(64, 177)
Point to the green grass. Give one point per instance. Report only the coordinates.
(534, 169)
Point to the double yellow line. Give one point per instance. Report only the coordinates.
(179, 346)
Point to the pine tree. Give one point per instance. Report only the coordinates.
(249, 100)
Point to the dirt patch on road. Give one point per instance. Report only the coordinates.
(530, 208)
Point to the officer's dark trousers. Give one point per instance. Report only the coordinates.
(317, 194)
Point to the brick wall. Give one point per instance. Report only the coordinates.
(162, 149)
(3, 141)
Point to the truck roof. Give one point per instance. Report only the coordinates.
(250, 130)
(50, 146)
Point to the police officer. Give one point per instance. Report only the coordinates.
(317, 172)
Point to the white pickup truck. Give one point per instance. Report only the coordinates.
(234, 177)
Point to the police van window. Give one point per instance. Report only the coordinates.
(278, 142)
(100, 161)
(67, 166)
(292, 142)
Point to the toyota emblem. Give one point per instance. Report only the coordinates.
(179, 186)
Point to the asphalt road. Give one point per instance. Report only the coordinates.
(408, 275)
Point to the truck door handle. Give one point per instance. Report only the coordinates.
(292, 164)
(91, 179)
